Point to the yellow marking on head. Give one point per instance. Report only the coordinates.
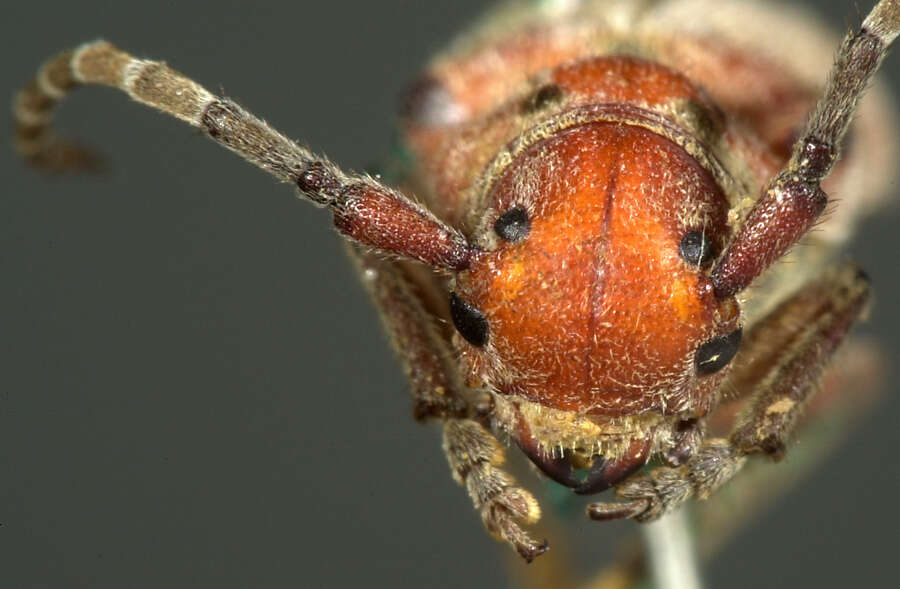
(682, 297)
(511, 279)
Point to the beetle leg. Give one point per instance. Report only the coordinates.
(793, 199)
(428, 359)
(473, 452)
(828, 308)
(650, 496)
(474, 455)
(778, 403)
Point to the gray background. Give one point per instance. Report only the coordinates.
(194, 391)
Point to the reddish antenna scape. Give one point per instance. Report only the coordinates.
(595, 199)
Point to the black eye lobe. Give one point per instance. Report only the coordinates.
(543, 97)
(469, 321)
(718, 352)
(513, 225)
(696, 249)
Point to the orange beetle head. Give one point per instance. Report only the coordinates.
(591, 292)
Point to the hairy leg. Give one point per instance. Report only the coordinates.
(830, 306)
(475, 455)
(429, 361)
(438, 392)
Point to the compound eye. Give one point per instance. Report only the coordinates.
(513, 225)
(543, 97)
(696, 249)
(469, 321)
(716, 354)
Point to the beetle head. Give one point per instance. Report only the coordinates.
(591, 292)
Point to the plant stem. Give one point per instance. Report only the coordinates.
(671, 553)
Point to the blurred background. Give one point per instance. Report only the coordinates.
(195, 391)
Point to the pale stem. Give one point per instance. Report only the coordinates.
(671, 553)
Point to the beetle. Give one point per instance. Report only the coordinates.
(463, 321)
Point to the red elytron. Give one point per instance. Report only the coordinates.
(604, 184)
